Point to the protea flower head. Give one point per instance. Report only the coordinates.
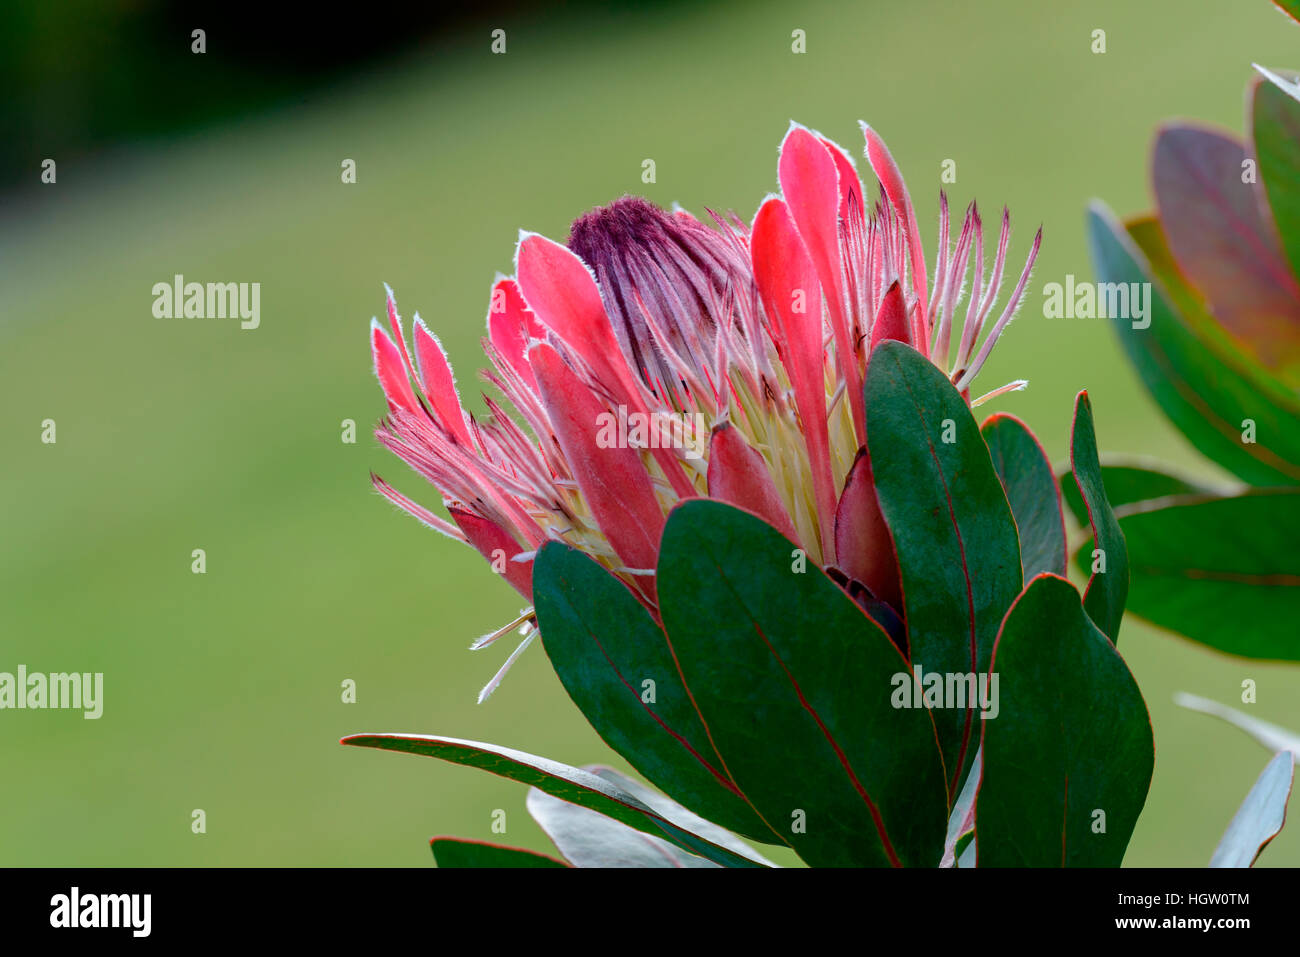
(655, 358)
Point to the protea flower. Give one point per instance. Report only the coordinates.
(655, 358)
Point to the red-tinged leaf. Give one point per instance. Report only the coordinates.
(738, 475)
(511, 326)
(391, 371)
(498, 546)
(1071, 738)
(863, 547)
(887, 171)
(439, 383)
(562, 781)
(891, 319)
(1107, 591)
(1205, 385)
(1222, 242)
(810, 185)
(462, 852)
(958, 554)
(614, 481)
(783, 270)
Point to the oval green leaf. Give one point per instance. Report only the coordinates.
(958, 552)
(617, 666)
(794, 683)
(1071, 740)
(1027, 478)
(1222, 571)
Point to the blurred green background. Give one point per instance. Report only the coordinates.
(222, 690)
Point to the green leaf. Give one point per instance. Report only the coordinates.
(1275, 127)
(1206, 389)
(794, 682)
(589, 839)
(1107, 561)
(615, 662)
(1130, 482)
(1260, 817)
(1027, 478)
(570, 784)
(958, 553)
(1290, 7)
(1271, 736)
(1072, 738)
(459, 852)
(1222, 571)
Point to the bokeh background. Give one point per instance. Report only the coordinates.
(222, 690)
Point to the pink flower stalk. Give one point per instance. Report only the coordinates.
(655, 358)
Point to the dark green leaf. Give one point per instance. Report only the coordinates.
(1130, 482)
(458, 852)
(615, 662)
(1205, 388)
(1107, 561)
(1260, 817)
(794, 683)
(1222, 571)
(1068, 758)
(958, 554)
(560, 780)
(1026, 475)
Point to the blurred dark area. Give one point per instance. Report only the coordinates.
(79, 75)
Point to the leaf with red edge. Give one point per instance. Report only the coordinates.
(1107, 561)
(1206, 387)
(1071, 740)
(560, 780)
(953, 531)
(461, 852)
(618, 667)
(1224, 244)
(1026, 476)
(794, 684)
(1260, 817)
(589, 839)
